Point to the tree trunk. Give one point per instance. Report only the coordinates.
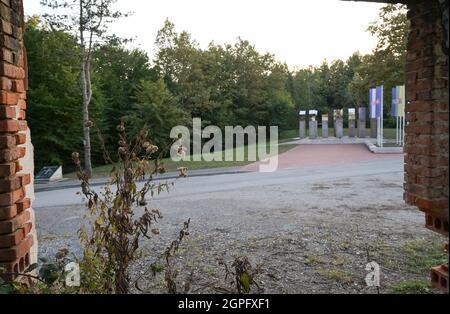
(85, 78)
(86, 122)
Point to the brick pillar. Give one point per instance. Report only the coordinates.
(18, 247)
(426, 161)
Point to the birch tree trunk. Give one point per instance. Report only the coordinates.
(85, 78)
(86, 122)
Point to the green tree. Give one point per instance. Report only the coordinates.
(391, 29)
(306, 89)
(87, 21)
(158, 110)
(223, 85)
(281, 109)
(54, 109)
(386, 65)
(119, 72)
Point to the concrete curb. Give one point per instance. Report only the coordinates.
(330, 141)
(384, 150)
(62, 185)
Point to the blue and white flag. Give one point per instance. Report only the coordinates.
(394, 102)
(372, 103)
(401, 101)
(379, 101)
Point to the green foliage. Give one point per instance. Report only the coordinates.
(337, 275)
(346, 84)
(413, 287)
(224, 85)
(54, 95)
(241, 275)
(87, 21)
(157, 267)
(45, 277)
(423, 255)
(111, 243)
(158, 109)
(327, 87)
(54, 102)
(391, 30)
(118, 73)
(386, 65)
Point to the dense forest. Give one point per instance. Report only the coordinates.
(229, 84)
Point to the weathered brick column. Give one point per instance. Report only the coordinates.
(427, 140)
(17, 235)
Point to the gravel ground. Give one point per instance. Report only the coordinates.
(307, 237)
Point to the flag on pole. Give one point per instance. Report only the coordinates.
(395, 98)
(398, 99)
(401, 101)
(372, 101)
(379, 101)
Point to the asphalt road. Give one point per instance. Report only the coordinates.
(240, 181)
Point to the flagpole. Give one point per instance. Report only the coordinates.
(382, 126)
(395, 113)
(381, 118)
(403, 131)
(403, 115)
(378, 118)
(378, 131)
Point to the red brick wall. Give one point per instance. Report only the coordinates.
(15, 215)
(427, 141)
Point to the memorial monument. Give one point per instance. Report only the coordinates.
(362, 122)
(313, 124)
(339, 123)
(351, 122)
(325, 125)
(302, 124)
(373, 128)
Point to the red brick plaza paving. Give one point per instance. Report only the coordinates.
(328, 154)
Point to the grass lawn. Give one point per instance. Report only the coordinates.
(284, 136)
(104, 171)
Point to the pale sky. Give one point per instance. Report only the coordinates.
(298, 32)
